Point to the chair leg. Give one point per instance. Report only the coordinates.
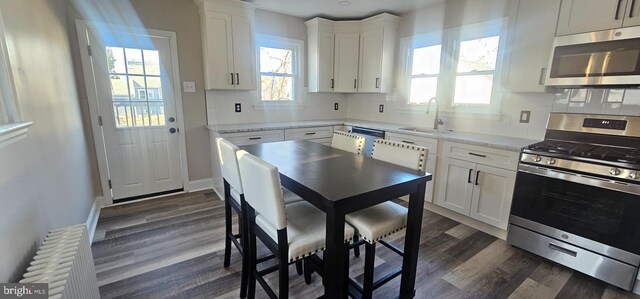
(244, 232)
(307, 270)
(356, 250)
(251, 288)
(369, 261)
(299, 267)
(228, 233)
(283, 270)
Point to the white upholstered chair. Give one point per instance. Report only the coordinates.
(292, 232)
(348, 142)
(374, 223)
(234, 200)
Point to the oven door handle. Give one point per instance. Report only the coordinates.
(580, 179)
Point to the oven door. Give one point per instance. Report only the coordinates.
(580, 210)
(609, 57)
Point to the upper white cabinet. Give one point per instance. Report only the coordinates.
(532, 38)
(362, 58)
(228, 44)
(578, 16)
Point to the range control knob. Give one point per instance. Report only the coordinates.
(536, 158)
(551, 161)
(615, 171)
(633, 175)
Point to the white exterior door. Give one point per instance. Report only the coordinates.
(136, 101)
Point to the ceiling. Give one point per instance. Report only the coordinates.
(340, 9)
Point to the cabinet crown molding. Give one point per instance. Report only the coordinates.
(225, 5)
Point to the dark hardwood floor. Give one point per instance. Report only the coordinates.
(172, 247)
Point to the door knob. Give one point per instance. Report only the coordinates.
(171, 119)
(172, 130)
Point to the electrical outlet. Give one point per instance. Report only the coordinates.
(238, 107)
(525, 116)
(381, 108)
(335, 106)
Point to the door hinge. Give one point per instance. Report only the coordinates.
(100, 120)
(89, 50)
(110, 187)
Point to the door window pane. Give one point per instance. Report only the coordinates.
(151, 62)
(137, 88)
(154, 89)
(426, 60)
(115, 60)
(478, 54)
(423, 89)
(473, 89)
(134, 61)
(119, 88)
(276, 88)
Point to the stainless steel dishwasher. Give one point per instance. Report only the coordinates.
(370, 135)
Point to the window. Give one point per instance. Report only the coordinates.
(279, 74)
(459, 66)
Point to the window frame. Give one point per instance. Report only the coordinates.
(12, 126)
(450, 41)
(297, 61)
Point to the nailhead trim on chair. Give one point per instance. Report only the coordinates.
(422, 149)
(311, 253)
(383, 236)
(359, 139)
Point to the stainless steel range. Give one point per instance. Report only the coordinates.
(577, 196)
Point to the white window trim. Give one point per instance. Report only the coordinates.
(298, 67)
(449, 38)
(16, 128)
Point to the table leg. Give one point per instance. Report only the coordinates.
(335, 259)
(412, 243)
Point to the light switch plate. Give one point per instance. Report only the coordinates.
(525, 116)
(189, 86)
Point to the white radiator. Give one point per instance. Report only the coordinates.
(65, 262)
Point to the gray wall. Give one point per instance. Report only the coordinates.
(45, 180)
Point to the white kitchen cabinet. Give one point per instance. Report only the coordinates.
(345, 71)
(363, 54)
(431, 144)
(228, 44)
(472, 185)
(578, 16)
(320, 48)
(311, 133)
(255, 137)
(632, 14)
(532, 38)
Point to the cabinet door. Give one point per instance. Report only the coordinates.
(218, 51)
(371, 43)
(346, 62)
(431, 168)
(577, 16)
(455, 189)
(492, 195)
(244, 54)
(325, 61)
(531, 45)
(632, 14)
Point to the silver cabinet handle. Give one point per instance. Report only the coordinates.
(563, 250)
(237, 78)
(355, 83)
(633, 5)
(543, 74)
(377, 82)
(618, 10)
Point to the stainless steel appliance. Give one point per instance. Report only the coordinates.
(577, 196)
(370, 135)
(602, 58)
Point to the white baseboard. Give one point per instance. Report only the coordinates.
(200, 185)
(92, 219)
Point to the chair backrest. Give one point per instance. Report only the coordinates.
(401, 154)
(348, 142)
(263, 191)
(229, 163)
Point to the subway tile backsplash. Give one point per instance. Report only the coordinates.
(598, 101)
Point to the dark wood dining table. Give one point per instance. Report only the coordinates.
(338, 183)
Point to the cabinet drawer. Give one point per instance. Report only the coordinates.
(308, 133)
(483, 155)
(246, 138)
(323, 141)
(430, 143)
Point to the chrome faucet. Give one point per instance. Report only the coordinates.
(436, 121)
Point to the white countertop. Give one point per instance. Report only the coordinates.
(495, 141)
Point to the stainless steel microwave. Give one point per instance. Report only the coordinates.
(602, 58)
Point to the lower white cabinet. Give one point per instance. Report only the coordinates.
(479, 191)
(255, 137)
(310, 134)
